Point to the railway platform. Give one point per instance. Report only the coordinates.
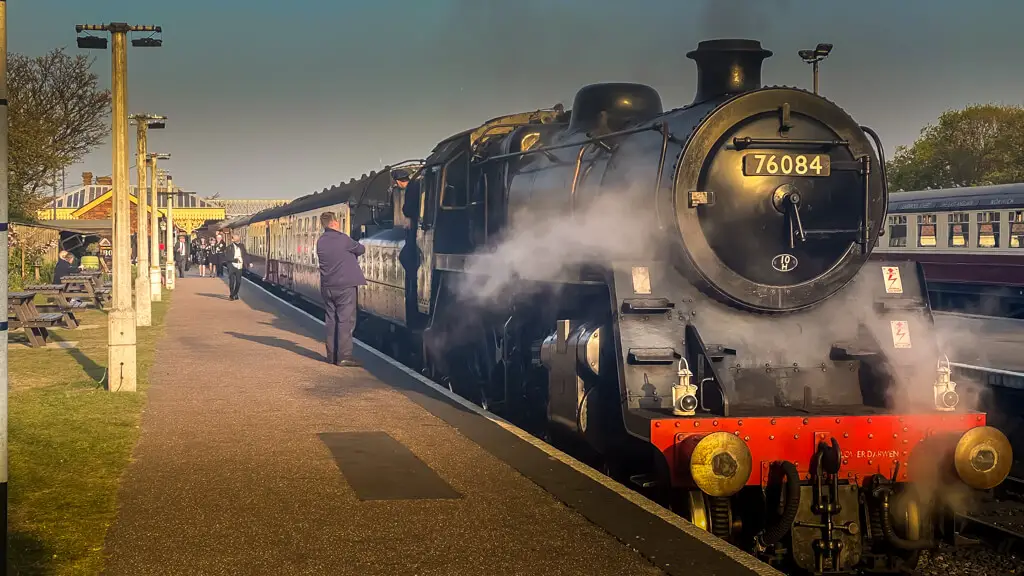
(257, 457)
(982, 341)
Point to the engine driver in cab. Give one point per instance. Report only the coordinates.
(340, 276)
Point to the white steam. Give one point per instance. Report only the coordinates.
(545, 246)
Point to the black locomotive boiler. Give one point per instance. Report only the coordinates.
(747, 366)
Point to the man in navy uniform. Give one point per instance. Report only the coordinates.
(340, 276)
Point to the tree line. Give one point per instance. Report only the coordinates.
(57, 114)
(980, 145)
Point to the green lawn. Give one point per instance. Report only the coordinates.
(70, 441)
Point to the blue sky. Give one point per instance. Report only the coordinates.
(277, 99)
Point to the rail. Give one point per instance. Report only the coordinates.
(1000, 526)
(989, 376)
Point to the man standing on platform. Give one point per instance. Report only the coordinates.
(340, 276)
(181, 255)
(236, 261)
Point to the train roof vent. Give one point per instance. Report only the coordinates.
(608, 107)
(727, 66)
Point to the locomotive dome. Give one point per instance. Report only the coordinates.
(772, 188)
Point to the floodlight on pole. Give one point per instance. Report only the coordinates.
(143, 282)
(155, 276)
(4, 257)
(813, 57)
(121, 355)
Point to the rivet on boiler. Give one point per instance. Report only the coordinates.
(806, 421)
(771, 437)
(677, 423)
(796, 436)
(870, 436)
(846, 434)
(714, 422)
(696, 424)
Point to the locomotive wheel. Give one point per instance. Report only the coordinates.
(697, 511)
(710, 514)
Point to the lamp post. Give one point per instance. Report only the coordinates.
(155, 282)
(812, 57)
(121, 354)
(169, 242)
(143, 289)
(3, 277)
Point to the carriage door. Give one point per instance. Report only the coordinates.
(425, 237)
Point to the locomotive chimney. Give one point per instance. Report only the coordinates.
(726, 67)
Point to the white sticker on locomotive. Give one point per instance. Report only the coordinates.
(641, 280)
(900, 333)
(784, 262)
(893, 283)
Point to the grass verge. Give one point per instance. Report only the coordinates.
(70, 441)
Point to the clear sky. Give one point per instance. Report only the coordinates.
(277, 99)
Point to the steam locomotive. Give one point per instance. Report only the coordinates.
(748, 367)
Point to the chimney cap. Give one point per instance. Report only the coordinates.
(728, 45)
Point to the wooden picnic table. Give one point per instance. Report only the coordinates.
(58, 294)
(22, 313)
(86, 286)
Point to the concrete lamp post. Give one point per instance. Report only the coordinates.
(121, 356)
(143, 287)
(155, 280)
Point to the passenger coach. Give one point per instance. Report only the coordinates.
(969, 241)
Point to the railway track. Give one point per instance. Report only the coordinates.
(989, 541)
(999, 520)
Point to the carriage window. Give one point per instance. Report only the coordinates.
(926, 230)
(897, 231)
(988, 229)
(959, 228)
(1017, 229)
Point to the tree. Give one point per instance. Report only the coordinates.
(57, 114)
(977, 146)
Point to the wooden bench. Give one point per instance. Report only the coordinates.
(86, 286)
(61, 303)
(22, 313)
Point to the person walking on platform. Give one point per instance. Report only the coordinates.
(181, 255)
(236, 263)
(218, 254)
(340, 277)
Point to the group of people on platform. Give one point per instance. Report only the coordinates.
(205, 252)
(214, 256)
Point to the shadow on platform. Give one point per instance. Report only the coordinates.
(217, 296)
(275, 342)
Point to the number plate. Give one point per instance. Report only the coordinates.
(787, 165)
